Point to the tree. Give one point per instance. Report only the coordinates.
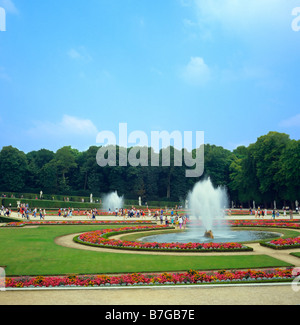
(65, 162)
(217, 161)
(288, 177)
(36, 161)
(14, 168)
(267, 152)
(48, 177)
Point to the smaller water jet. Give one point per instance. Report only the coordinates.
(112, 201)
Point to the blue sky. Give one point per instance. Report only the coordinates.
(72, 68)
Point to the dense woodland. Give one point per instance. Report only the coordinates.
(266, 170)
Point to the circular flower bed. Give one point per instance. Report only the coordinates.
(287, 243)
(138, 279)
(101, 238)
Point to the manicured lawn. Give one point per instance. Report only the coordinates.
(32, 251)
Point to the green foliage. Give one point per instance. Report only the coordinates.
(264, 171)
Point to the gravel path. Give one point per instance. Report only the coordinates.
(230, 295)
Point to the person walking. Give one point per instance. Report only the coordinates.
(273, 214)
(180, 221)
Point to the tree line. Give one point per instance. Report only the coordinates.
(266, 170)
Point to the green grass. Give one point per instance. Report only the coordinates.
(32, 251)
(296, 254)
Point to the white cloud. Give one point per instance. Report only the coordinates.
(291, 122)
(79, 54)
(196, 72)
(73, 54)
(9, 6)
(68, 126)
(243, 15)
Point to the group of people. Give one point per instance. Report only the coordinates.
(261, 213)
(177, 221)
(24, 211)
(165, 217)
(5, 211)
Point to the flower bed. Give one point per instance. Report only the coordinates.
(75, 222)
(138, 279)
(264, 223)
(100, 238)
(281, 243)
(251, 223)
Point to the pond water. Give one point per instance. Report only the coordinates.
(220, 237)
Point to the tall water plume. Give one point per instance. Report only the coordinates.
(207, 203)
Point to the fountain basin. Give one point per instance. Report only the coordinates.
(219, 237)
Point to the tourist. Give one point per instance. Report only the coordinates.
(161, 219)
(273, 214)
(172, 220)
(180, 221)
(176, 222)
(184, 222)
(266, 212)
(291, 214)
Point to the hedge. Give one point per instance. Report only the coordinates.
(50, 204)
(44, 204)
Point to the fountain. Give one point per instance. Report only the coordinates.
(112, 201)
(208, 204)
